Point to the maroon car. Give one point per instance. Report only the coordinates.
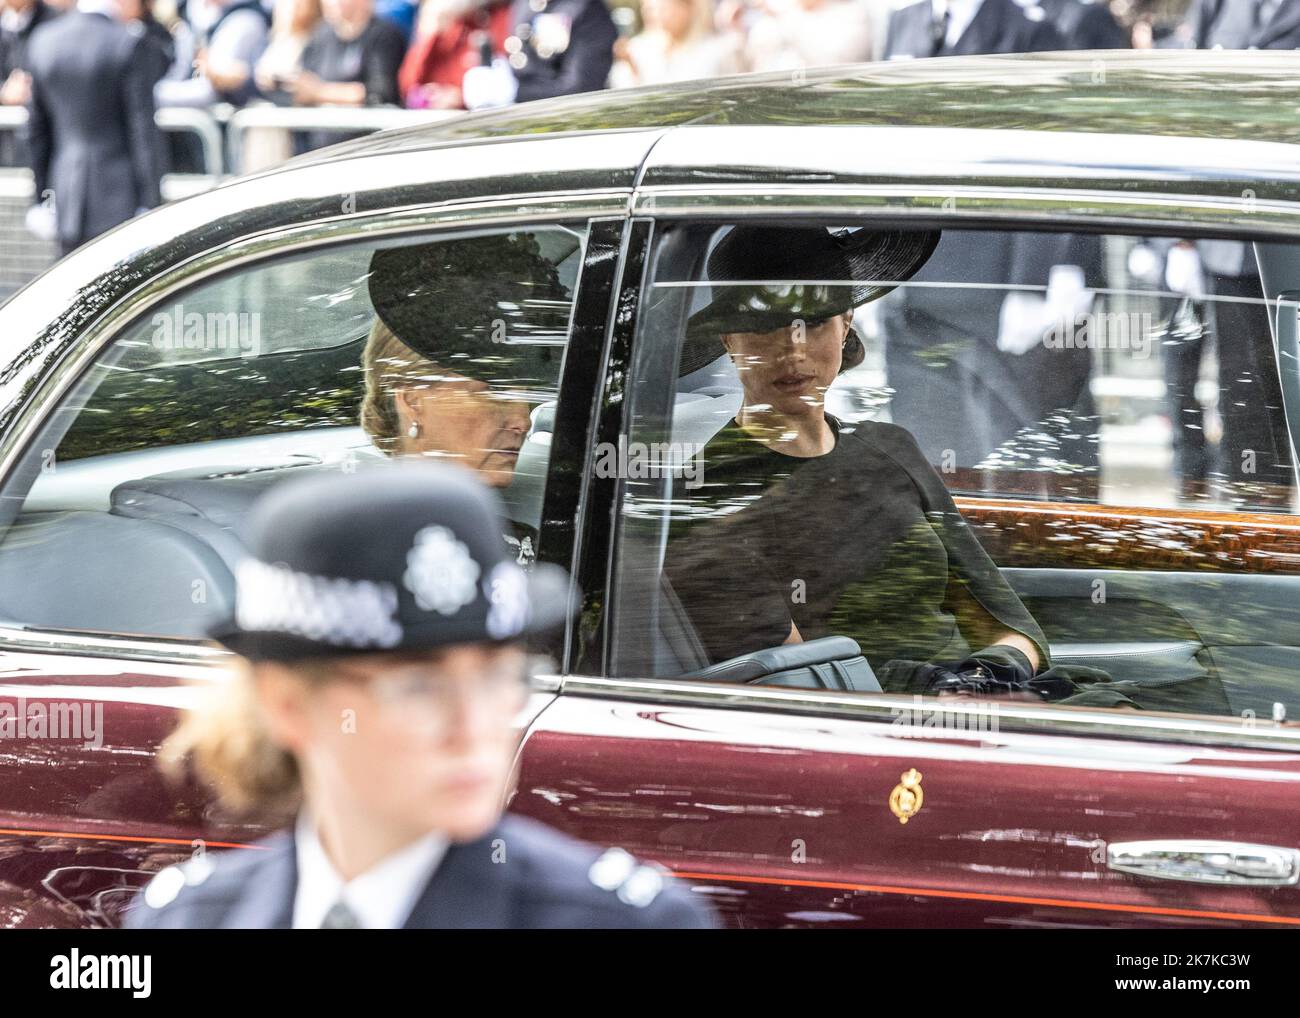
(1098, 362)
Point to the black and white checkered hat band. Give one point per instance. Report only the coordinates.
(362, 614)
(327, 609)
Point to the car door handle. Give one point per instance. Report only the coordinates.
(1207, 862)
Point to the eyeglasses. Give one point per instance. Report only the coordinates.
(424, 695)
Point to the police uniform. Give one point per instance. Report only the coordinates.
(521, 875)
(407, 558)
(560, 47)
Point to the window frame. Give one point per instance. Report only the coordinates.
(596, 213)
(973, 207)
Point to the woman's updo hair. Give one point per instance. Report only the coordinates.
(389, 365)
(224, 742)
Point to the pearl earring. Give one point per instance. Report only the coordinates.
(414, 430)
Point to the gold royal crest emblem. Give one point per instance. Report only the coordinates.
(906, 798)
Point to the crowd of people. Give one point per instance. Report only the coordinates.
(467, 54)
(474, 54)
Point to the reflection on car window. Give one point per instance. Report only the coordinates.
(960, 463)
(128, 514)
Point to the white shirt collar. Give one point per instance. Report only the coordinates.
(108, 8)
(961, 14)
(381, 898)
(15, 21)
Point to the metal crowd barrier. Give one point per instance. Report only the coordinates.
(344, 119)
(221, 133)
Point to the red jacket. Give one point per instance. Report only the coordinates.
(443, 57)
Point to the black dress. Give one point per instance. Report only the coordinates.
(863, 541)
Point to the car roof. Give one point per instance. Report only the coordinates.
(1237, 95)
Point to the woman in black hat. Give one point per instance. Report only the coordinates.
(815, 527)
(379, 627)
(468, 339)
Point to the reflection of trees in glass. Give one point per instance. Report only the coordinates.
(233, 398)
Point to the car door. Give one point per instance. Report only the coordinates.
(830, 804)
(125, 503)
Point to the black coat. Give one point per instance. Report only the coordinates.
(13, 45)
(999, 26)
(1230, 24)
(541, 882)
(1086, 24)
(582, 64)
(975, 397)
(13, 57)
(91, 130)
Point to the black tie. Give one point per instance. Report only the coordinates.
(340, 917)
(939, 31)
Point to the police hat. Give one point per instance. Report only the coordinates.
(486, 307)
(408, 556)
(777, 275)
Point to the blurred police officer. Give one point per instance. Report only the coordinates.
(91, 134)
(559, 47)
(380, 625)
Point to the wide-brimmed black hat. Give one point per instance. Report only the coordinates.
(408, 556)
(487, 307)
(766, 277)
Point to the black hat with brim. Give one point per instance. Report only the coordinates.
(491, 308)
(405, 557)
(765, 278)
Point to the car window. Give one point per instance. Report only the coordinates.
(1022, 463)
(126, 515)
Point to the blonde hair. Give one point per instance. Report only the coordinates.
(389, 365)
(225, 742)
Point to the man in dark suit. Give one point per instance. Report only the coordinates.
(1255, 467)
(382, 627)
(960, 386)
(18, 20)
(1245, 24)
(944, 28)
(560, 47)
(1086, 24)
(91, 134)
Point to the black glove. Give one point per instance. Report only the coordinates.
(1001, 669)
